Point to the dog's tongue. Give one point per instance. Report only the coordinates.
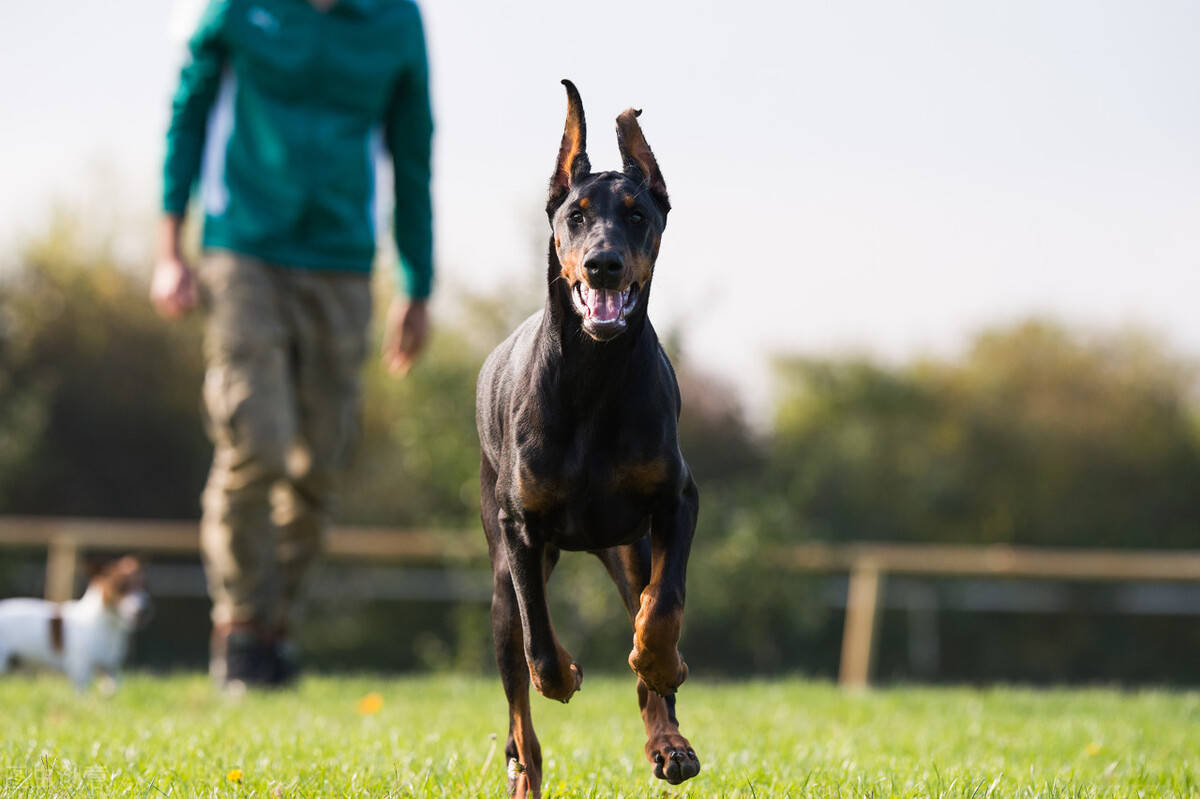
(604, 304)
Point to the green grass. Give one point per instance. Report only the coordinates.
(173, 736)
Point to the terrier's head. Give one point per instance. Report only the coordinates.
(122, 588)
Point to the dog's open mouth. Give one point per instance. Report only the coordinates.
(604, 308)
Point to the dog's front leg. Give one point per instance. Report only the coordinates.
(655, 656)
(109, 682)
(554, 673)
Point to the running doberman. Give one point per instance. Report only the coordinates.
(577, 414)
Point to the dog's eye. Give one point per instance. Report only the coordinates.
(575, 217)
(636, 217)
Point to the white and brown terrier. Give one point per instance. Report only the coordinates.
(80, 637)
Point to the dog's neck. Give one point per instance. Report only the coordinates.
(92, 606)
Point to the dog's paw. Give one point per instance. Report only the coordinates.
(662, 673)
(559, 679)
(673, 758)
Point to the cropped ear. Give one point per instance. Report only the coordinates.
(640, 164)
(573, 164)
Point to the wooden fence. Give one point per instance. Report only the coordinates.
(867, 564)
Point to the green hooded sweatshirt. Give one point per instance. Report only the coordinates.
(280, 112)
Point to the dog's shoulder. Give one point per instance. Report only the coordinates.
(503, 373)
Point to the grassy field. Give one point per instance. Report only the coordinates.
(433, 736)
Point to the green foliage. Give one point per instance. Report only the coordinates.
(444, 737)
(98, 399)
(1038, 436)
(418, 460)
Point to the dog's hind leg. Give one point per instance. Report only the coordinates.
(671, 755)
(523, 753)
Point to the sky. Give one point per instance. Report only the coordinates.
(869, 177)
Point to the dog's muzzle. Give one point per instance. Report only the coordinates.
(603, 311)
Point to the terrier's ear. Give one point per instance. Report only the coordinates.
(573, 164)
(131, 563)
(640, 164)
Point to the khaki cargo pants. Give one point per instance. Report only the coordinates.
(284, 349)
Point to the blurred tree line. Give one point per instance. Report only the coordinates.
(1036, 434)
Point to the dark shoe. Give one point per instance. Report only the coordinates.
(285, 663)
(241, 657)
(248, 658)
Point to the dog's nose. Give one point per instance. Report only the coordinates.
(604, 269)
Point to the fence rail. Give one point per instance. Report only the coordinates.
(867, 564)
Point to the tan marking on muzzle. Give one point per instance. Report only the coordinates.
(640, 268)
(572, 271)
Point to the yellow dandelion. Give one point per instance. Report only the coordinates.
(370, 704)
(1092, 749)
(234, 775)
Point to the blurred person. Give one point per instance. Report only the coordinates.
(280, 111)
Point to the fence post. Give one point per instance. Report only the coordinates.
(61, 557)
(862, 611)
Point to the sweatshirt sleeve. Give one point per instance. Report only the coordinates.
(199, 80)
(409, 136)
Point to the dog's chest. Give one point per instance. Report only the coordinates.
(587, 496)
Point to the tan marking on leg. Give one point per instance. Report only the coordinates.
(525, 781)
(655, 717)
(663, 737)
(655, 656)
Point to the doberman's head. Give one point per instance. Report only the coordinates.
(607, 226)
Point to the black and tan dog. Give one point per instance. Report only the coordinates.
(577, 414)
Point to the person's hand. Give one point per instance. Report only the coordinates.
(173, 287)
(404, 335)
